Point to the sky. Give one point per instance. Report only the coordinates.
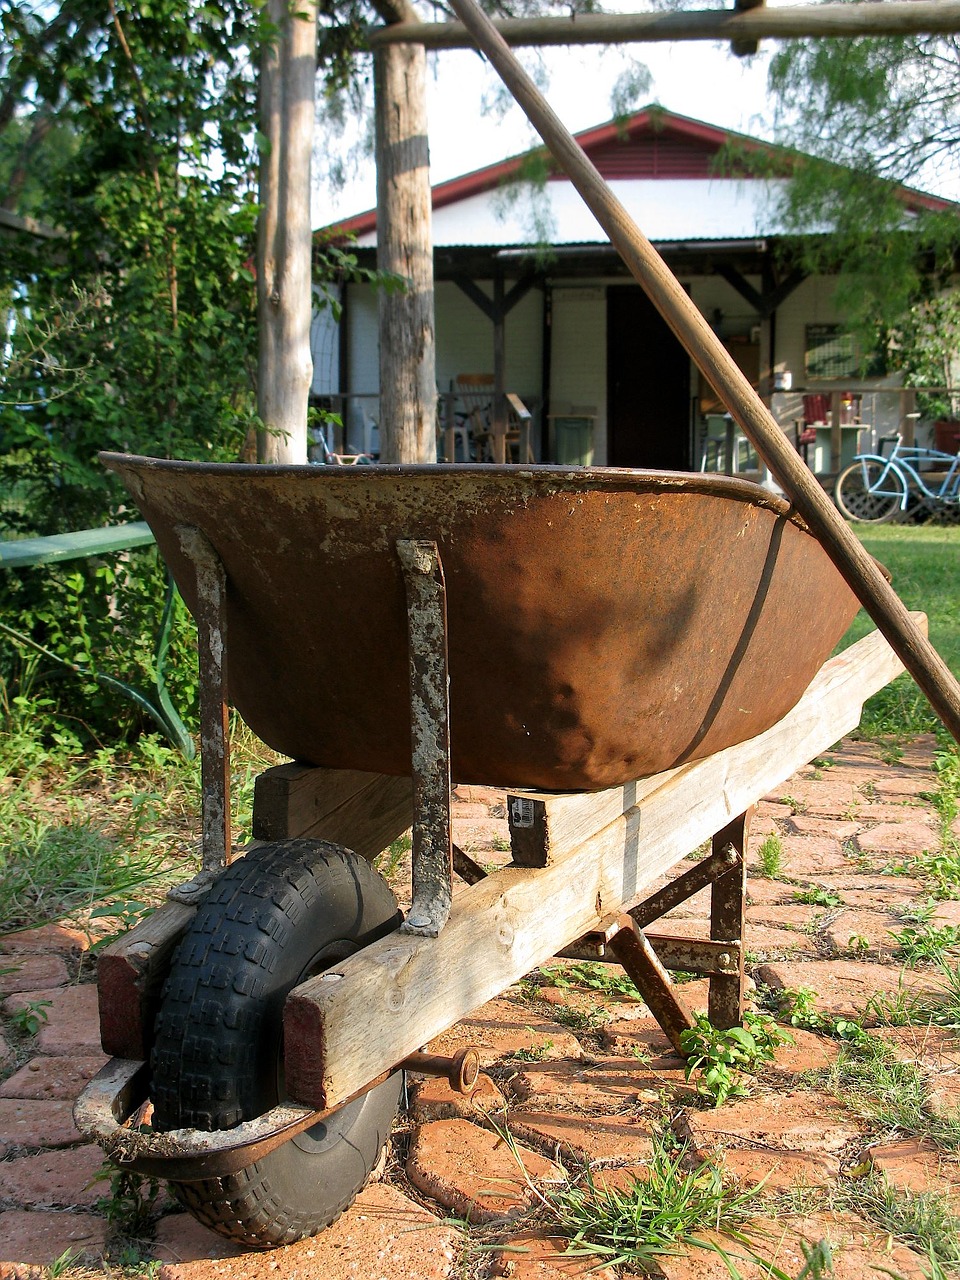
(700, 79)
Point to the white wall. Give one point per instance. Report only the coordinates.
(578, 365)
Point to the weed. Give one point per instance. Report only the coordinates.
(723, 1056)
(770, 855)
(534, 1053)
(858, 944)
(916, 912)
(817, 897)
(659, 1215)
(501, 844)
(798, 806)
(799, 1006)
(127, 914)
(926, 945)
(609, 979)
(132, 1202)
(388, 862)
(59, 1266)
(30, 1017)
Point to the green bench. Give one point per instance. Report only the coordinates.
(27, 553)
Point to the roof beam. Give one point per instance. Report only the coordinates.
(865, 18)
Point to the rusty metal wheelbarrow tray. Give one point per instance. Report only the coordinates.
(603, 625)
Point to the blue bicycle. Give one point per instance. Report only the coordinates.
(875, 487)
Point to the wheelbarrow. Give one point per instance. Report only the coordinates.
(636, 656)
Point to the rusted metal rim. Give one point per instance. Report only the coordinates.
(640, 481)
(106, 1107)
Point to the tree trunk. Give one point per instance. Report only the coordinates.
(408, 379)
(285, 367)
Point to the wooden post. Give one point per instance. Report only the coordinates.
(836, 435)
(285, 238)
(408, 379)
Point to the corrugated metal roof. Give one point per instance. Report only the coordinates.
(665, 209)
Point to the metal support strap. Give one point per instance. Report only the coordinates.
(430, 734)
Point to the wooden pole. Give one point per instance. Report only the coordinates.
(705, 348)
(867, 18)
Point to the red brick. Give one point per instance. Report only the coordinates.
(862, 933)
(601, 1087)
(910, 837)
(502, 1028)
(842, 987)
(761, 1129)
(789, 915)
(383, 1236)
(532, 1256)
(583, 1139)
(873, 811)
(40, 1237)
(904, 783)
(858, 1248)
(73, 1020)
(475, 835)
(943, 1095)
(433, 1099)
(54, 1179)
(5, 1051)
(31, 1123)
(831, 828)
(48, 937)
(916, 1166)
(945, 913)
(31, 972)
(935, 1048)
(477, 1174)
(812, 855)
(52, 1077)
(805, 1052)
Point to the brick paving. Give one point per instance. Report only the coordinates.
(575, 1079)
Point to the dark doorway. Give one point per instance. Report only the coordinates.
(648, 386)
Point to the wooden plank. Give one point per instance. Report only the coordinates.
(363, 811)
(130, 975)
(346, 1026)
(26, 552)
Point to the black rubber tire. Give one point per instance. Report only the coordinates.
(856, 502)
(280, 914)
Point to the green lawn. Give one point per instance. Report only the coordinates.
(925, 563)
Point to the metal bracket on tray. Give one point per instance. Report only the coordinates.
(430, 733)
(214, 734)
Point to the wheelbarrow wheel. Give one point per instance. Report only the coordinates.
(279, 915)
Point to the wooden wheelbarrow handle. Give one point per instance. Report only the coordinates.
(845, 550)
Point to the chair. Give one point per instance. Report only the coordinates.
(816, 411)
(475, 392)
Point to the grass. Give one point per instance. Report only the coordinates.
(99, 839)
(923, 562)
(668, 1211)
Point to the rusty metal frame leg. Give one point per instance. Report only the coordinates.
(651, 979)
(728, 900)
(214, 727)
(430, 734)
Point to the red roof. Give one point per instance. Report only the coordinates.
(652, 143)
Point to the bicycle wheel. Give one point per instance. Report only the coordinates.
(861, 496)
(279, 915)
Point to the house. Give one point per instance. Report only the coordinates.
(521, 265)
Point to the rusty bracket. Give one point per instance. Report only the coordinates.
(430, 733)
(706, 871)
(651, 979)
(105, 1109)
(214, 730)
